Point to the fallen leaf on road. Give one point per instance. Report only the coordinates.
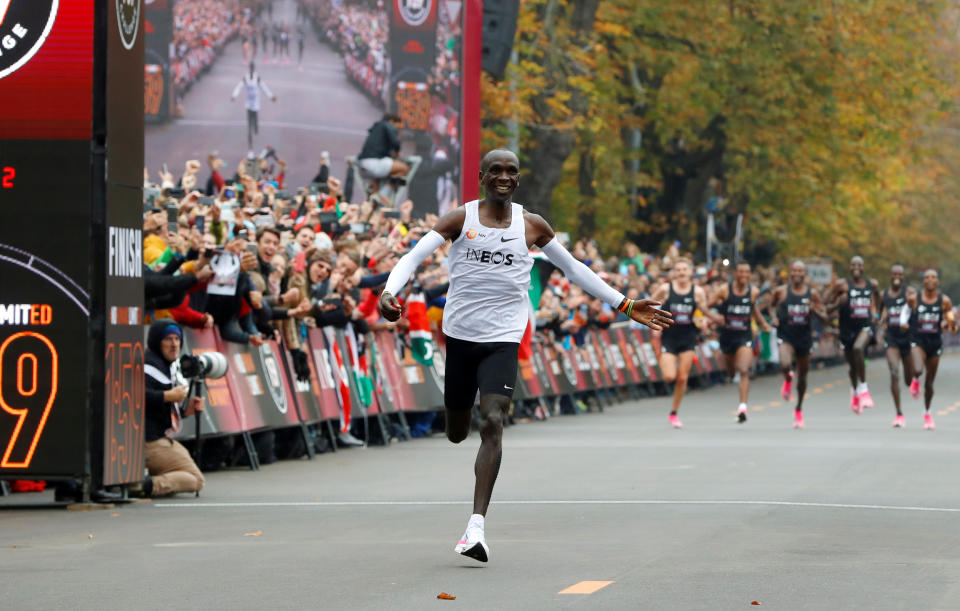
(89, 535)
(254, 534)
(114, 515)
(445, 596)
(756, 602)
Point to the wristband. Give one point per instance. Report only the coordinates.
(630, 308)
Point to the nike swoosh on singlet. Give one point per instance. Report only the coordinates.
(502, 239)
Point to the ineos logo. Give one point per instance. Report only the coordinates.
(128, 20)
(24, 26)
(414, 12)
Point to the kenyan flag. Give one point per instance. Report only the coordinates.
(421, 341)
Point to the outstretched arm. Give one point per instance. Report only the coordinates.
(447, 228)
(643, 311)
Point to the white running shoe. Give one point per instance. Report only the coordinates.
(348, 440)
(473, 545)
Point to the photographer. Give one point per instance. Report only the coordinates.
(171, 468)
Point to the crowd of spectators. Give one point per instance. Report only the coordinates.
(360, 34)
(257, 257)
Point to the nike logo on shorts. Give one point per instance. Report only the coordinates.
(503, 239)
(507, 387)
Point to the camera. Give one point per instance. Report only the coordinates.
(203, 365)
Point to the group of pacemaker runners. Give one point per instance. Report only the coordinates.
(911, 323)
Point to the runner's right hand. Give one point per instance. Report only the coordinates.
(389, 307)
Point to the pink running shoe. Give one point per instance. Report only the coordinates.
(855, 403)
(798, 420)
(675, 421)
(928, 423)
(865, 399)
(915, 388)
(787, 388)
(899, 422)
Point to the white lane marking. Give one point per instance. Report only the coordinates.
(278, 124)
(239, 505)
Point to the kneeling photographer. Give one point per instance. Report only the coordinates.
(171, 468)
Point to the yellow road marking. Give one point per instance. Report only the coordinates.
(758, 408)
(585, 587)
(774, 404)
(805, 395)
(828, 385)
(817, 391)
(942, 412)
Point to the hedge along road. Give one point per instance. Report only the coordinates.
(616, 509)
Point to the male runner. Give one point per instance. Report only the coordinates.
(928, 311)
(737, 301)
(678, 343)
(487, 310)
(793, 304)
(896, 339)
(857, 299)
(252, 84)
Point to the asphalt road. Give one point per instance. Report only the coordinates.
(847, 514)
(317, 109)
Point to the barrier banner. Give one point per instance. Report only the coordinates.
(633, 367)
(426, 381)
(640, 338)
(701, 365)
(586, 380)
(528, 383)
(360, 398)
(308, 392)
(383, 391)
(258, 386)
(561, 368)
(320, 365)
(615, 358)
(609, 373)
(221, 415)
(548, 382)
(391, 373)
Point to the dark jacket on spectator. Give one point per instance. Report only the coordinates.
(158, 378)
(382, 141)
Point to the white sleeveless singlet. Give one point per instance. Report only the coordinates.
(489, 279)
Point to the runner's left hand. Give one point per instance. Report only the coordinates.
(646, 311)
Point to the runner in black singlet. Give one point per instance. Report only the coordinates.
(929, 312)
(737, 304)
(896, 339)
(857, 299)
(678, 343)
(794, 302)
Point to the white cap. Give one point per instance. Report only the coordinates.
(325, 155)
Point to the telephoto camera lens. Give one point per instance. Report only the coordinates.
(203, 365)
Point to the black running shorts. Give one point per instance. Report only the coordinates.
(900, 341)
(731, 341)
(849, 335)
(802, 343)
(678, 341)
(931, 343)
(490, 367)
